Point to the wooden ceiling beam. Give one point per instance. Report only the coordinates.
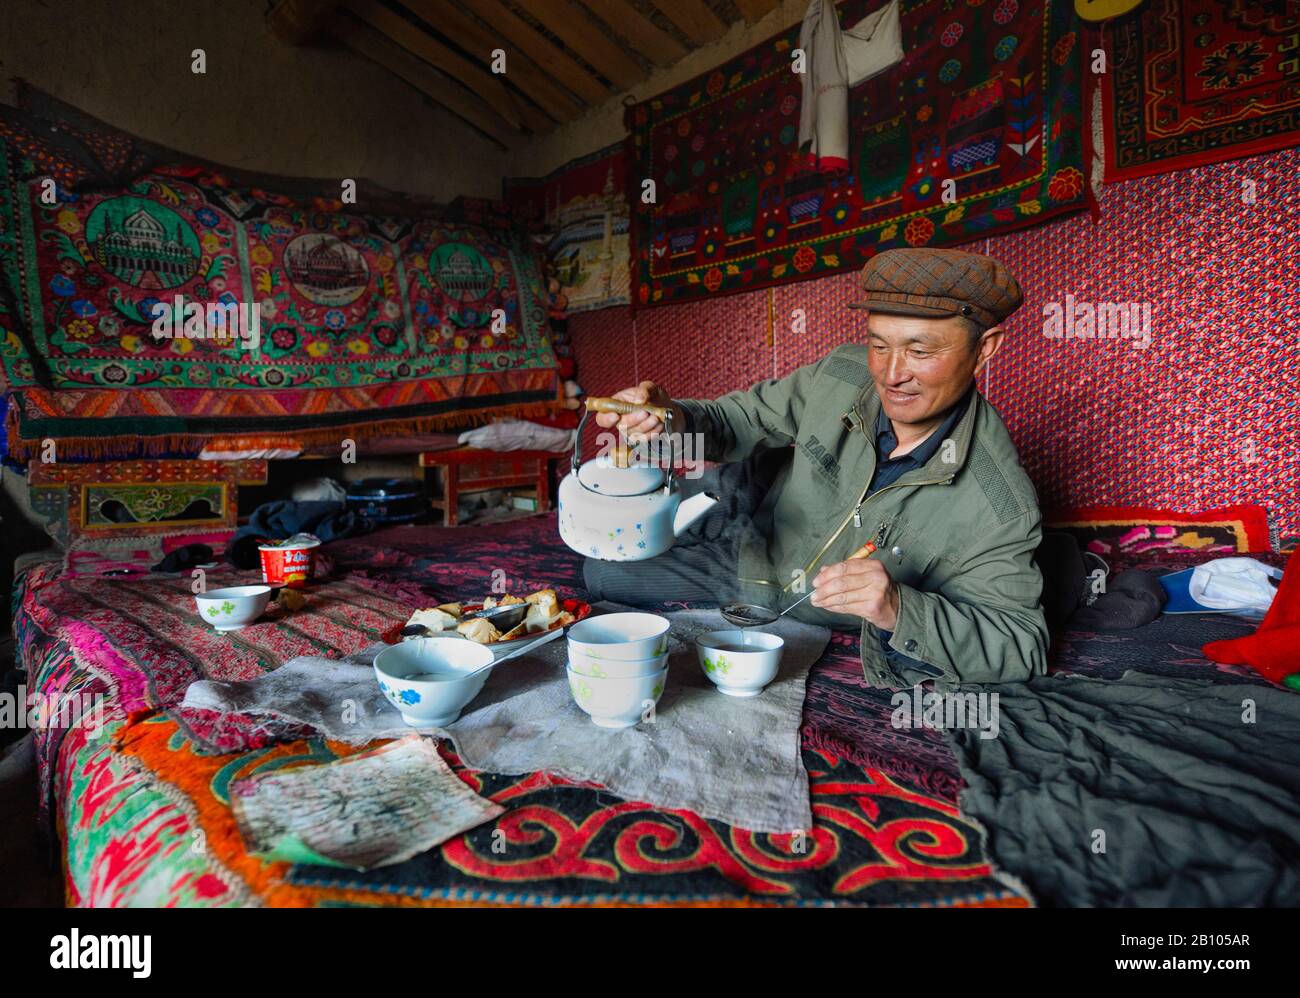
(438, 87)
(571, 25)
(550, 57)
(695, 18)
(643, 34)
(419, 43)
(755, 10)
(479, 41)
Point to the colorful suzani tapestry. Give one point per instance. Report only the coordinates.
(1200, 81)
(979, 130)
(582, 212)
(349, 322)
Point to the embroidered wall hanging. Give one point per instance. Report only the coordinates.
(367, 323)
(978, 131)
(582, 212)
(1199, 81)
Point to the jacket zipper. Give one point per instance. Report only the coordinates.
(856, 519)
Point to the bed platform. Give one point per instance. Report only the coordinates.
(142, 818)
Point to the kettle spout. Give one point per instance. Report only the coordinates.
(691, 510)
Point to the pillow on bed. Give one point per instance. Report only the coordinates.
(1113, 530)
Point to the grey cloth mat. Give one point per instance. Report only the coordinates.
(735, 760)
(1198, 807)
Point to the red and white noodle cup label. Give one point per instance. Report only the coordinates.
(291, 565)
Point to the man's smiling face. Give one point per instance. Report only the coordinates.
(922, 367)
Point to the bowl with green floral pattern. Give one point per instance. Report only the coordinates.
(234, 607)
(617, 701)
(739, 662)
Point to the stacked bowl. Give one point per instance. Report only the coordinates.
(618, 665)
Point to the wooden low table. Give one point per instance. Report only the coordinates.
(469, 469)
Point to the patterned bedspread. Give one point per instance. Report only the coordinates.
(143, 816)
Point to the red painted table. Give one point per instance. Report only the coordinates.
(469, 469)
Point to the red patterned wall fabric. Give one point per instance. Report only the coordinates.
(1206, 415)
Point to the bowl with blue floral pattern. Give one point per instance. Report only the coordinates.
(431, 680)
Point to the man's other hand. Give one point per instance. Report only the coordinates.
(862, 588)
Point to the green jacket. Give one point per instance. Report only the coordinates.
(957, 536)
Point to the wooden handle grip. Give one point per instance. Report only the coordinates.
(865, 551)
(618, 405)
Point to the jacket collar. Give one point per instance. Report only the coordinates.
(937, 467)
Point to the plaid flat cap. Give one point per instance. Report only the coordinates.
(935, 283)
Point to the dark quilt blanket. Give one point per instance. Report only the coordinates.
(1140, 791)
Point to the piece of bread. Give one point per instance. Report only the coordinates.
(508, 600)
(489, 602)
(544, 597)
(452, 608)
(538, 619)
(435, 619)
(566, 618)
(479, 630)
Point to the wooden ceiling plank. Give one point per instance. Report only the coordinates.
(374, 45)
(571, 25)
(421, 44)
(695, 18)
(655, 44)
(481, 42)
(755, 10)
(542, 51)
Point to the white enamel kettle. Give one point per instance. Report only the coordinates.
(615, 510)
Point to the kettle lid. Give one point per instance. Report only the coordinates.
(604, 476)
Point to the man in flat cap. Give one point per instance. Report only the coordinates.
(887, 450)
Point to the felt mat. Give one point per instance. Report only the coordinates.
(734, 760)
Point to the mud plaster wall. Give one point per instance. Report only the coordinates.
(262, 105)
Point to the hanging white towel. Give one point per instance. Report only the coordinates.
(834, 62)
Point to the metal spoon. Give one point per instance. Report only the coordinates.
(549, 636)
(752, 615)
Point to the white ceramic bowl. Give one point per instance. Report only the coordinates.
(740, 663)
(601, 668)
(428, 679)
(620, 637)
(232, 608)
(617, 701)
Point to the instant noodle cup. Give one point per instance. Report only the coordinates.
(290, 563)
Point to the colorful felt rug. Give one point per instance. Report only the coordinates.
(874, 841)
(1199, 81)
(979, 130)
(367, 320)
